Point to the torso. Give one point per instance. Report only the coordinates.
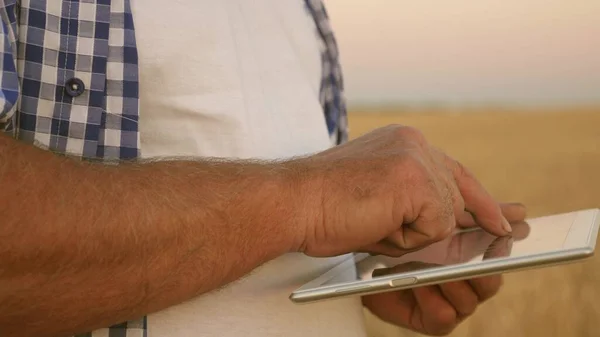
(237, 78)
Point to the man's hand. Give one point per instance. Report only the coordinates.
(389, 192)
(433, 310)
(438, 309)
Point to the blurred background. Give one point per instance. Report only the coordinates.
(512, 89)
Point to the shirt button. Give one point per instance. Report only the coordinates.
(74, 87)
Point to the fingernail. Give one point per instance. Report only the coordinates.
(506, 225)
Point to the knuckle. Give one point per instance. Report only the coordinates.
(408, 133)
(394, 129)
(413, 167)
(459, 202)
(437, 229)
(448, 199)
(439, 217)
(489, 287)
(441, 233)
(445, 319)
(493, 291)
(489, 294)
(469, 307)
(460, 169)
(411, 133)
(446, 215)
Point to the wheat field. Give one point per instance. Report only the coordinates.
(549, 160)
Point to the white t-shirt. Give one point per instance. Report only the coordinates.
(238, 78)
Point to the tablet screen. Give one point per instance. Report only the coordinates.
(537, 236)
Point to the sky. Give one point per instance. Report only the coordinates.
(511, 52)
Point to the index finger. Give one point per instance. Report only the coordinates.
(484, 209)
(513, 212)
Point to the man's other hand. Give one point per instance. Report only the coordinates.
(437, 310)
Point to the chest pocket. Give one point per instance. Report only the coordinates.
(77, 63)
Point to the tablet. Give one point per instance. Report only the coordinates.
(535, 243)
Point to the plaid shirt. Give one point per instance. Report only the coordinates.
(69, 83)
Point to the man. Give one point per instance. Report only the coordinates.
(217, 192)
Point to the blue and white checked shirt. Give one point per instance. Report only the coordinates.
(69, 82)
(70, 76)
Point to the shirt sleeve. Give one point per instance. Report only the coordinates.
(9, 79)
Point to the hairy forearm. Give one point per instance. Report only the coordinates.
(83, 245)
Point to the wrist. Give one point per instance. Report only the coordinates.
(302, 191)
